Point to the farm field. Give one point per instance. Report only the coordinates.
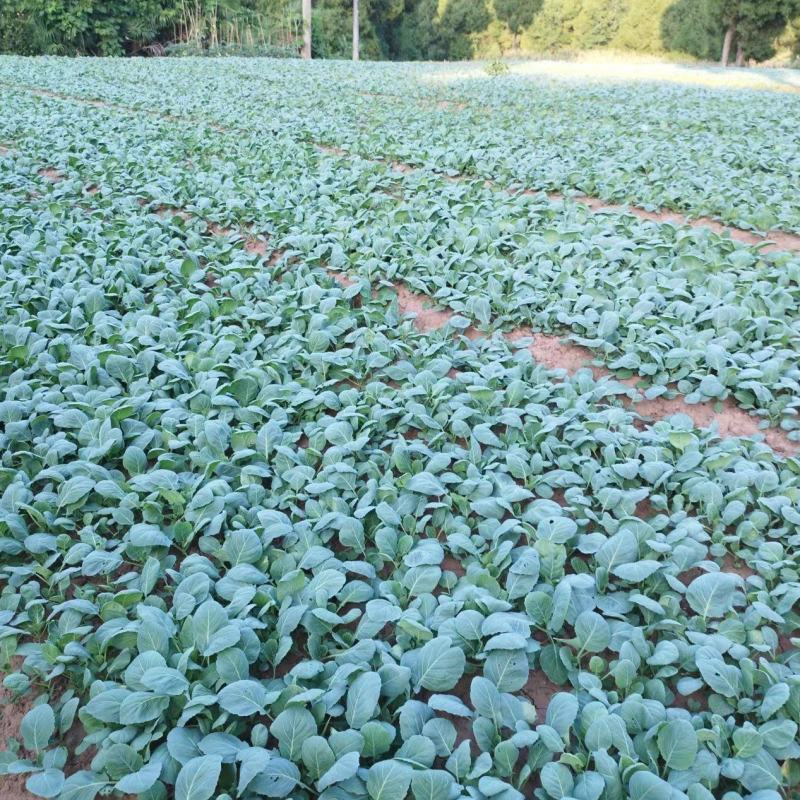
(396, 431)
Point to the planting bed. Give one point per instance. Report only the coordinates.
(336, 465)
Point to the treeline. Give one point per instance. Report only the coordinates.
(402, 29)
(134, 27)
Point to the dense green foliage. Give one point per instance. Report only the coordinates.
(399, 29)
(113, 27)
(260, 537)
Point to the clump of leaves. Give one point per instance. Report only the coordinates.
(497, 67)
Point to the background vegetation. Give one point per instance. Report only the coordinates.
(402, 29)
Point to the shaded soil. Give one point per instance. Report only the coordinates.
(12, 787)
(540, 689)
(731, 564)
(453, 564)
(51, 174)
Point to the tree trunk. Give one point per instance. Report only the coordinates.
(739, 55)
(306, 28)
(726, 45)
(356, 33)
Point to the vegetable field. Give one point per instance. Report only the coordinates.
(373, 432)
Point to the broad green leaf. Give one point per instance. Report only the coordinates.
(291, 728)
(711, 595)
(362, 699)
(440, 665)
(432, 784)
(677, 743)
(198, 778)
(37, 726)
(243, 698)
(388, 780)
(342, 770)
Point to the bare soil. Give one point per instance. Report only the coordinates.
(342, 279)
(331, 150)
(540, 689)
(426, 317)
(555, 353)
(51, 174)
(258, 246)
(166, 212)
(736, 567)
(12, 787)
(731, 420)
(773, 241)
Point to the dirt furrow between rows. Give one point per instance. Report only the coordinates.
(772, 241)
(556, 353)
(552, 351)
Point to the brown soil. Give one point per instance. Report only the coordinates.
(447, 105)
(453, 564)
(773, 241)
(682, 701)
(331, 150)
(551, 351)
(736, 567)
(731, 420)
(645, 510)
(540, 689)
(12, 787)
(51, 174)
(426, 318)
(215, 229)
(259, 246)
(342, 279)
(555, 353)
(166, 212)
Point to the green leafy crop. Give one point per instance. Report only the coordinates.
(261, 537)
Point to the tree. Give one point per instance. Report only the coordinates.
(356, 37)
(598, 22)
(753, 24)
(517, 14)
(457, 22)
(691, 26)
(306, 28)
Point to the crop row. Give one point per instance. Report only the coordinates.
(688, 311)
(732, 155)
(263, 538)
